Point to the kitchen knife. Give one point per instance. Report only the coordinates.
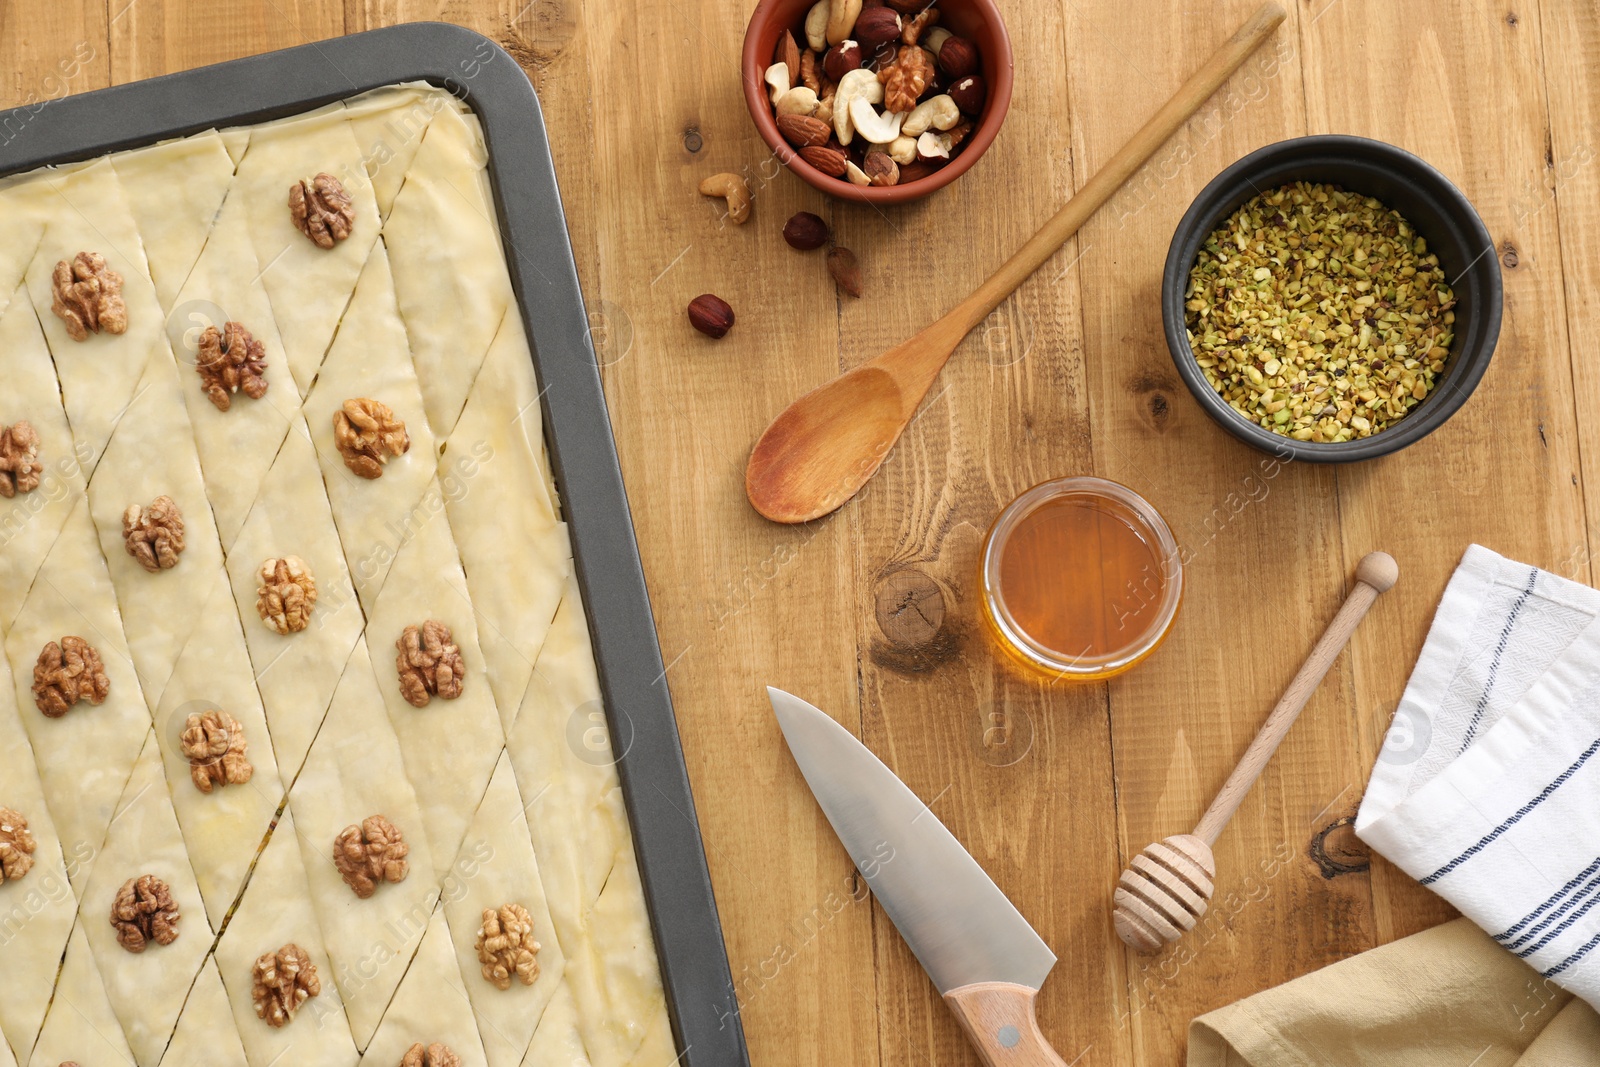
(981, 953)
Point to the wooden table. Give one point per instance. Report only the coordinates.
(871, 614)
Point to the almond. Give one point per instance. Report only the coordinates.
(845, 269)
(787, 52)
(826, 158)
(804, 130)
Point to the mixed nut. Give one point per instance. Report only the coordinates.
(880, 93)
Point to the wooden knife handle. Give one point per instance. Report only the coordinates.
(1000, 1022)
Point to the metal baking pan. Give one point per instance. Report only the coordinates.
(655, 782)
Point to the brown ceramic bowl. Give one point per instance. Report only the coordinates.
(978, 20)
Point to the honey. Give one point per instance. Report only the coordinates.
(1081, 578)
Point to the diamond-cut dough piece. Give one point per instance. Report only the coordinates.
(557, 1042)
(21, 230)
(29, 522)
(151, 454)
(274, 911)
(389, 125)
(36, 911)
(296, 673)
(236, 446)
(84, 757)
(207, 1035)
(516, 582)
(354, 771)
(453, 294)
(174, 190)
(88, 213)
(496, 866)
(223, 829)
(236, 140)
(450, 746)
(309, 286)
(147, 989)
(371, 358)
(81, 1026)
(430, 1005)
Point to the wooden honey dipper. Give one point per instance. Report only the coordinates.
(1167, 887)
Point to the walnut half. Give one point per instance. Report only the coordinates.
(373, 852)
(280, 982)
(322, 210)
(434, 1055)
(67, 673)
(286, 591)
(88, 296)
(429, 662)
(506, 946)
(230, 360)
(144, 911)
(16, 846)
(154, 534)
(19, 459)
(214, 744)
(367, 433)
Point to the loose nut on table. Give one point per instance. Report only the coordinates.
(845, 269)
(806, 231)
(711, 315)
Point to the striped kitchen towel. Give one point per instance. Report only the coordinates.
(1487, 790)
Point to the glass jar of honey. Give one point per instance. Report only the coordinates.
(1081, 578)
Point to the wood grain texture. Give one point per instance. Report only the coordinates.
(872, 614)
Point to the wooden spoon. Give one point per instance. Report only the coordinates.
(1168, 886)
(824, 447)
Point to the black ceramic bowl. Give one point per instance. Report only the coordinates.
(1437, 210)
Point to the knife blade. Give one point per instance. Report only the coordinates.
(982, 955)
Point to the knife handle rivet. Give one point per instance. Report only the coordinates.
(1008, 1036)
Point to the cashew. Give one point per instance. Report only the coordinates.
(935, 38)
(875, 127)
(817, 26)
(800, 101)
(842, 15)
(931, 146)
(778, 80)
(903, 149)
(859, 82)
(856, 175)
(732, 188)
(940, 112)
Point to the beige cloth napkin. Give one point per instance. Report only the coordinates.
(1447, 997)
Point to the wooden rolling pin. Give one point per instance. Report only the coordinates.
(1167, 887)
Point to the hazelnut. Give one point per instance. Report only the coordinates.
(969, 93)
(877, 26)
(958, 57)
(711, 315)
(845, 269)
(880, 169)
(933, 147)
(841, 59)
(806, 231)
(907, 7)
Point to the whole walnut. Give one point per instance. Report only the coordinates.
(429, 663)
(373, 852)
(144, 911)
(434, 1055)
(230, 360)
(87, 296)
(19, 459)
(367, 433)
(67, 673)
(154, 535)
(214, 744)
(281, 981)
(322, 210)
(286, 591)
(16, 846)
(506, 946)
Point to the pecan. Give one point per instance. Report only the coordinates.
(16, 845)
(372, 852)
(88, 296)
(154, 535)
(144, 911)
(214, 744)
(322, 209)
(429, 663)
(281, 981)
(367, 433)
(286, 592)
(434, 1055)
(19, 459)
(67, 673)
(905, 79)
(809, 76)
(917, 24)
(506, 946)
(229, 360)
